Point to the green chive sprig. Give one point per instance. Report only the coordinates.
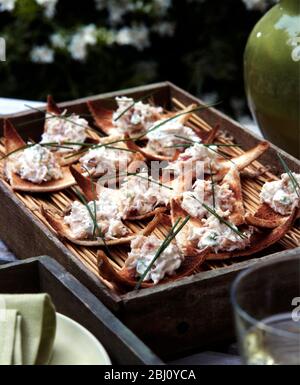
(108, 177)
(294, 181)
(212, 185)
(169, 238)
(93, 216)
(141, 136)
(56, 116)
(222, 220)
(132, 105)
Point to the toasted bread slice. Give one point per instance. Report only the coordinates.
(64, 158)
(266, 217)
(242, 161)
(259, 241)
(52, 107)
(151, 155)
(93, 192)
(232, 178)
(126, 278)
(102, 116)
(14, 142)
(57, 223)
(184, 245)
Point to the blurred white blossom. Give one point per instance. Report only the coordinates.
(77, 42)
(116, 9)
(42, 54)
(137, 36)
(85, 36)
(7, 5)
(162, 6)
(49, 7)
(164, 28)
(58, 41)
(258, 4)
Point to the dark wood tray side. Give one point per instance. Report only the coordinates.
(172, 318)
(73, 300)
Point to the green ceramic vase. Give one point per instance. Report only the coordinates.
(272, 75)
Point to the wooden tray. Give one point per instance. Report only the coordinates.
(71, 298)
(172, 318)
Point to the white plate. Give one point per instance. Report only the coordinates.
(75, 345)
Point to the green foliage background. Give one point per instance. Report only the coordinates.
(204, 55)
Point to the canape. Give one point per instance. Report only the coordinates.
(132, 117)
(94, 224)
(32, 167)
(279, 199)
(152, 261)
(139, 196)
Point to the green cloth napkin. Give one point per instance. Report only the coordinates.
(27, 329)
(10, 338)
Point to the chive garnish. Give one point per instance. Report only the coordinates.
(108, 177)
(50, 117)
(212, 185)
(294, 181)
(222, 220)
(207, 144)
(154, 127)
(66, 146)
(182, 145)
(169, 238)
(120, 149)
(192, 142)
(93, 217)
(48, 144)
(132, 105)
(56, 116)
(139, 137)
(94, 202)
(185, 138)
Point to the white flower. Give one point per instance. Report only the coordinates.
(49, 7)
(137, 36)
(257, 4)
(7, 5)
(164, 28)
(85, 36)
(162, 5)
(100, 4)
(58, 41)
(117, 9)
(42, 54)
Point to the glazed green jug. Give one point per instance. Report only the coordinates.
(272, 75)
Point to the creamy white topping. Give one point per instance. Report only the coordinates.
(280, 195)
(140, 196)
(197, 153)
(218, 236)
(61, 129)
(36, 164)
(163, 137)
(102, 160)
(143, 250)
(138, 118)
(203, 192)
(108, 218)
